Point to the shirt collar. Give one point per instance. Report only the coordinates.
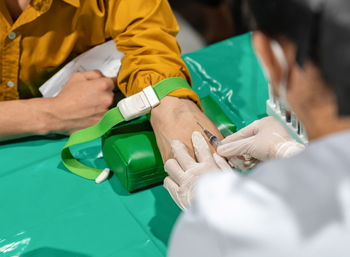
(75, 3)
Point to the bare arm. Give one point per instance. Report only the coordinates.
(20, 118)
(82, 103)
(145, 32)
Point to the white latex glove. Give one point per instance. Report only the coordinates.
(184, 171)
(263, 139)
(242, 163)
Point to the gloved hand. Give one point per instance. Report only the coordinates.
(184, 171)
(263, 139)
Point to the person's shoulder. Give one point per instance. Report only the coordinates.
(235, 206)
(225, 189)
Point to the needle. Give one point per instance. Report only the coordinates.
(200, 125)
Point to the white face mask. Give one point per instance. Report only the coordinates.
(282, 88)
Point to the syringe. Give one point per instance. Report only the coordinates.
(212, 139)
(233, 161)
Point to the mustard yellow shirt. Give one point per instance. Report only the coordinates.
(50, 33)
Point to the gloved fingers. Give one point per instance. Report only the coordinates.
(251, 165)
(247, 157)
(221, 162)
(170, 185)
(174, 170)
(243, 163)
(201, 148)
(181, 155)
(237, 163)
(246, 132)
(173, 190)
(249, 161)
(237, 148)
(288, 149)
(248, 165)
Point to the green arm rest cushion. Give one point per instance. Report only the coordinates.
(131, 151)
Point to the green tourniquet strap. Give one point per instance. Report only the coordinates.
(110, 119)
(166, 86)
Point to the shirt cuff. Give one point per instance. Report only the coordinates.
(152, 78)
(187, 94)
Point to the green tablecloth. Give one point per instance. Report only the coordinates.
(46, 211)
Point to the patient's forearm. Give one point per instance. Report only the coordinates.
(82, 103)
(20, 118)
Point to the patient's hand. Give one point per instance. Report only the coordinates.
(82, 102)
(177, 118)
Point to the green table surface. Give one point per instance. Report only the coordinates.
(47, 211)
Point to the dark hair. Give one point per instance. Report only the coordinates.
(290, 19)
(321, 35)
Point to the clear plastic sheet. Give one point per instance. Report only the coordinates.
(230, 72)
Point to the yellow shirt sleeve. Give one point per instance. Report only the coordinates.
(145, 32)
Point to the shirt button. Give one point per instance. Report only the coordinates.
(10, 84)
(12, 35)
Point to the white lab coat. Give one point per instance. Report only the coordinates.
(292, 207)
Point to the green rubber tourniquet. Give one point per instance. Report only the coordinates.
(110, 119)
